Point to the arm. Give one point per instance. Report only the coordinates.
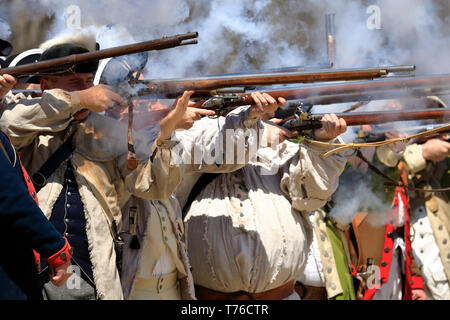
(227, 143)
(53, 112)
(30, 117)
(309, 180)
(21, 217)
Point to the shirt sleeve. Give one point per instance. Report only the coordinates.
(219, 145)
(309, 180)
(28, 118)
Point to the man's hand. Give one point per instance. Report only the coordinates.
(332, 127)
(191, 115)
(276, 134)
(265, 104)
(435, 150)
(181, 116)
(99, 98)
(59, 275)
(418, 294)
(7, 82)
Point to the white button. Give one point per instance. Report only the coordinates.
(69, 193)
(333, 286)
(68, 205)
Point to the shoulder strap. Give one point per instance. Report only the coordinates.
(201, 183)
(59, 156)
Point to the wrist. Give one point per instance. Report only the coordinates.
(254, 112)
(77, 102)
(62, 256)
(164, 134)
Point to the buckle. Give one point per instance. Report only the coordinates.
(39, 179)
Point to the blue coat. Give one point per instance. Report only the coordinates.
(23, 227)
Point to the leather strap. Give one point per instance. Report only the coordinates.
(59, 156)
(201, 183)
(311, 293)
(279, 293)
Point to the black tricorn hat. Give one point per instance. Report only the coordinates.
(5, 48)
(64, 50)
(26, 57)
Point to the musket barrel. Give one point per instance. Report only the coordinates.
(361, 118)
(410, 68)
(46, 66)
(175, 87)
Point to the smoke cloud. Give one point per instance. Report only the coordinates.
(5, 30)
(244, 35)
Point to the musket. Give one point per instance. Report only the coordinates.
(323, 94)
(379, 133)
(304, 121)
(66, 62)
(213, 85)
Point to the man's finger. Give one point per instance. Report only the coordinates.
(116, 97)
(204, 112)
(282, 101)
(269, 98)
(257, 101)
(342, 125)
(10, 79)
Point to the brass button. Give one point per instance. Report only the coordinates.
(386, 249)
(63, 255)
(383, 264)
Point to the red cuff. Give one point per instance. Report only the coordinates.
(417, 282)
(37, 260)
(353, 270)
(62, 256)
